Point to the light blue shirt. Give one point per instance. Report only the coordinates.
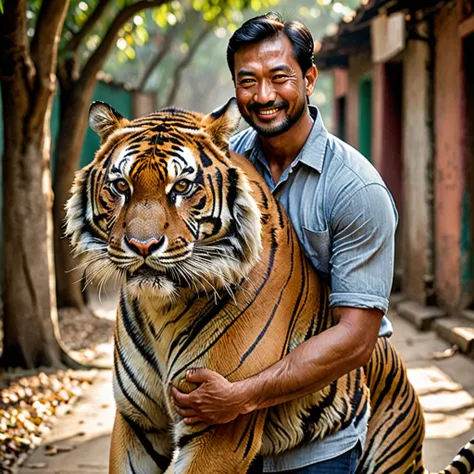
(345, 219)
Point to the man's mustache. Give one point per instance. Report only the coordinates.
(257, 106)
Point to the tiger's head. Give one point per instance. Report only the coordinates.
(161, 206)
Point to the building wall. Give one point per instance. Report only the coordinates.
(417, 151)
(359, 65)
(449, 169)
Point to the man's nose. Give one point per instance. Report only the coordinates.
(265, 93)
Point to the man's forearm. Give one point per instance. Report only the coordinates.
(310, 367)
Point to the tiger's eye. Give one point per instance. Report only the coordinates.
(121, 185)
(182, 186)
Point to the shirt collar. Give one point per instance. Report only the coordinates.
(313, 152)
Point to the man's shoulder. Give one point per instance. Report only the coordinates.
(242, 141)
(347, 165)
(351, 179)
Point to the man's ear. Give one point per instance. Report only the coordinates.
(104, 119)
(223, 122)
(310, 79)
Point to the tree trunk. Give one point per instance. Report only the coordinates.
(74, 108)
(31, 334)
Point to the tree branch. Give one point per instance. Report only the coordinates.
(14, 42)
(76, 40)
(159, 56)
(99, 56)
(44, 52)
(184, 63)
(17, 71)
(47, 32)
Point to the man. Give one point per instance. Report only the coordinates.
(345, 219)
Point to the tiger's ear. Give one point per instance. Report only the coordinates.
(104, 119)
(223, 122)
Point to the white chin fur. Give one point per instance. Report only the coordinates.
(151, 287)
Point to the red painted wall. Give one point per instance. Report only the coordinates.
(449, 176)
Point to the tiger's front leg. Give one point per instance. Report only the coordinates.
(221, 449)
(134, 452)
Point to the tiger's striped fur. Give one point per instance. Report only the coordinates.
(214, 276)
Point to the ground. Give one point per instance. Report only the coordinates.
(79, 440)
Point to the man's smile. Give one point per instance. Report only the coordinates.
(267, 114)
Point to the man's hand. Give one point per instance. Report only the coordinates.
(216, 400)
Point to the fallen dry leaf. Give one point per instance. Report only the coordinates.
(449, 352)
(50, 450)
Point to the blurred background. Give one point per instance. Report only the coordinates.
(396, 82)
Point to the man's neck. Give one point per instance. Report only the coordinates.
(280, 151)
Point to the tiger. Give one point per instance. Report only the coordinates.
(213, 275)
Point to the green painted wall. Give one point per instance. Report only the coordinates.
(365, 116)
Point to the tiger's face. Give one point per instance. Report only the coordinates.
(161, 205)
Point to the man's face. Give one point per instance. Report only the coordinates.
(270, 87)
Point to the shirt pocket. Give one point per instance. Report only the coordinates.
(317, 244)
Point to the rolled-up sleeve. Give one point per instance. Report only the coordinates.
(363, 227)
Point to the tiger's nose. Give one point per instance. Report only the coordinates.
(145, 248)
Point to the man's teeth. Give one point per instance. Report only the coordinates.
(268, 111)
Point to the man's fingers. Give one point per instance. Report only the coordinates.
(181, 399)
(199, 375)
(193, 420)
(187, 412)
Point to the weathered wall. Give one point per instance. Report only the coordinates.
(417, 151)
(449, 169)
(359, 65)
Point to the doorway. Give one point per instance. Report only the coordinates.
(365, 116)
(467, 230)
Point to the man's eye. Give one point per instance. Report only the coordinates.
(279, 78)
(247, 82)
(182, 187)
(121, 186)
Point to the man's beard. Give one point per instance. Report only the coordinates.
(282, 127)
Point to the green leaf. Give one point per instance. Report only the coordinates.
(255, 4)
(1, 6)
(130, 52)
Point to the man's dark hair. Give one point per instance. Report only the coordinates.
(269, 26)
